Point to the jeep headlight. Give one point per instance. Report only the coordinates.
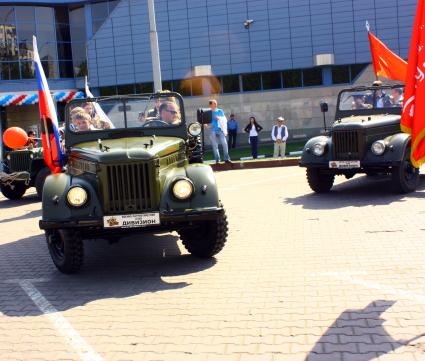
(77, 196)
(378, 147)
(182, 189)
(319, 149)
(194, 129)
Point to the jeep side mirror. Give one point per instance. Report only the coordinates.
(204, 115)
(323, 107)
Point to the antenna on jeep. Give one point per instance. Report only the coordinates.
(324, 109)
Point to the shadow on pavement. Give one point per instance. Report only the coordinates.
(32, 214)
(133, 266)
(362, 326)
(358, 192)
(29, 198)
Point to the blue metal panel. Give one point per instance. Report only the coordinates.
(241, 68)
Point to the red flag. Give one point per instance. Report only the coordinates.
(413, 116)
(53, 156)
(386, 63)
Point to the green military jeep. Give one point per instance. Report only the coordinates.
(126, 173)
(22, 169)
(365, 138)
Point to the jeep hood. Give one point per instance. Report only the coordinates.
(126, 149)
(368, 121)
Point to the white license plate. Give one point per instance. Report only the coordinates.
(344, 164)
(131, 220)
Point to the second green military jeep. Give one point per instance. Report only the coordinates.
(365, 138)
(23, 168)
(128, 173)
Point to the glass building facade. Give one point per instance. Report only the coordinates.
(61, 37)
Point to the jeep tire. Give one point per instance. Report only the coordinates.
(208, 238)
(318, 181)
(66, 249)
(405, 177)
(14, 190)
(40, 179)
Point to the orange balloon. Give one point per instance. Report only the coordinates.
(15, 137)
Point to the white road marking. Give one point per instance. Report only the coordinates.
(348, 277)
(83, 349)
(257, 182)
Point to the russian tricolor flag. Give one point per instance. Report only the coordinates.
(49, 120)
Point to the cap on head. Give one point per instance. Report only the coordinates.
(212, 101)
(280, 119)
(377, 83)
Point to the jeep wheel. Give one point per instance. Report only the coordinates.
(208, 238)
(405, 177)
(40, 179)
(318, 181)
(14, 190)
(66, 249)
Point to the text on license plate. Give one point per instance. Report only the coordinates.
(344, 164)
(131, 220)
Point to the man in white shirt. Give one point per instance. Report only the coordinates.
(279, 136)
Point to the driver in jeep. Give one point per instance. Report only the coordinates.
(169, 113)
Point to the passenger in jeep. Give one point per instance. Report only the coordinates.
(81, 122)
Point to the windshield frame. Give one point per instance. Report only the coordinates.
(178, 130)
(339, 114)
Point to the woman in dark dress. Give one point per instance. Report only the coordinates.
(253, 129)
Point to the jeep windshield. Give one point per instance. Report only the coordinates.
(126, 112)
(380, 98)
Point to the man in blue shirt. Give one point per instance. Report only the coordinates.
(232, 129)
(218, 128)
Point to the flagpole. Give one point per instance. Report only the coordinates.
(156, 65)
(368, 33)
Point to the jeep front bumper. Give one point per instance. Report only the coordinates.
(168, 219)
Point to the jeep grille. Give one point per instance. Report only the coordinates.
(347, 144)
(20, 161)
(129, 188)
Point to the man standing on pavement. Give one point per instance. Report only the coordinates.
(279, 136)
(232, 129)
(218, 128)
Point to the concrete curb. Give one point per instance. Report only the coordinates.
(266, 163)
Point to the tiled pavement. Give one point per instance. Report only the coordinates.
(303, 277)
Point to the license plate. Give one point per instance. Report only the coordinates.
(344, 164)
(131, 220)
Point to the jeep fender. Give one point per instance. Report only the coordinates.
(396, 145)
(308, 158)
(205, 194)
(55, 205)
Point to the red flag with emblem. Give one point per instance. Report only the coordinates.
(386, 63)
(413, 116)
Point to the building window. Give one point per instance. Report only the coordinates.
(142, 88)
(340, 74)
(27, 70)
(291, 78)
(167, 85)
(66, 69)
(7, 15)
(251, 82)
(9, 70)
(231, 84)
(125, 89)
(312, 77)
(197, 86)
(108, 90)
(183, 87)
(271, 80)
(356, 69)
(100, 12)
